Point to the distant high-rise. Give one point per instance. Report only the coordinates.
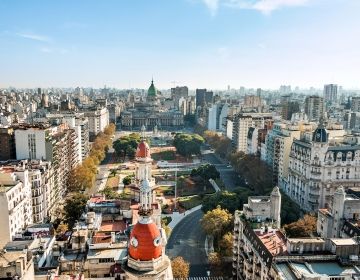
(314, 107)
(177, 93)
(355, 104)
(203, 97)
(288, 107)
(330, 93)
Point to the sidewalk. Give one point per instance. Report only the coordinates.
(176, 217)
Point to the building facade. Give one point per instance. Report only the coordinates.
(319, 164)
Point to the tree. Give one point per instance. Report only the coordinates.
(180, 268)
(127, 180)
(206, 171)
(226, 244)
(215, 262)
(61, 229)
(74, 207)
(225, 199)
(216, 221)
(126, 145)
(188, 144)
(304, 227)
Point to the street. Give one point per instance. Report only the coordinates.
(227, 174)
(187, 240)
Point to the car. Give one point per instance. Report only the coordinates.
(229, 166)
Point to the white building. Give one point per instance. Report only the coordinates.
(15, 205)
(321, 162)
(277, 146)
(98, 120)
(241, 124)
(344, 208)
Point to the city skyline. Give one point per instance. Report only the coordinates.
(198, 43)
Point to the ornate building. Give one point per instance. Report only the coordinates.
(146, 248)
(150, 113)
(320, 164)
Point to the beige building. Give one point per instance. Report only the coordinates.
(16, 265)
(15, 206)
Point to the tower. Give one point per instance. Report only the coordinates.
(338, 210)
(147, 194)
(147, 259)
(275, 210)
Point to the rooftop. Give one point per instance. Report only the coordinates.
(273, 240)
(116, 226)
(343, 241)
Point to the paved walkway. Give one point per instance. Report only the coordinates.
(176, 217)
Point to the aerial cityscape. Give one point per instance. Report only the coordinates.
(182, 139)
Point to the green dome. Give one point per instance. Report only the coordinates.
(152, 89)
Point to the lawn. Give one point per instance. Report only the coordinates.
(112, 181)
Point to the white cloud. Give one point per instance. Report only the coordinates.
(264, 6)
(212, 5)
(34, 37)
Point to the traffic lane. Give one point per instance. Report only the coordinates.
(211, 158)
(187, 240)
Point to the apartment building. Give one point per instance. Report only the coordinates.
(240, 126)
(320, 162)
(15, 205)
(98, 120)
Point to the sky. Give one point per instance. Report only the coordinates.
(198, 43)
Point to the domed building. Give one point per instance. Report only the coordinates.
(151, 93)
(151, 111)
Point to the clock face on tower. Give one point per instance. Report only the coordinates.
(134, 242)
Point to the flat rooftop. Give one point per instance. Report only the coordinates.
(343, 241)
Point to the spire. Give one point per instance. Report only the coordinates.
(143, 129)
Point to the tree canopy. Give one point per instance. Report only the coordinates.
(216, 221)
(206, 171)
(188, 144)
(226, 244)
(180, 268)
(126, 145)
(304, 227)
(83, 176)
(74, 207)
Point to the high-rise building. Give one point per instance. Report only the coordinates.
(7, 143)
(314, 107)
(240, 128)
(355, 104)
(203, 97)
(98, 120)
(177, 93)
(288, 107)
(58, 145)
(330, 93)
